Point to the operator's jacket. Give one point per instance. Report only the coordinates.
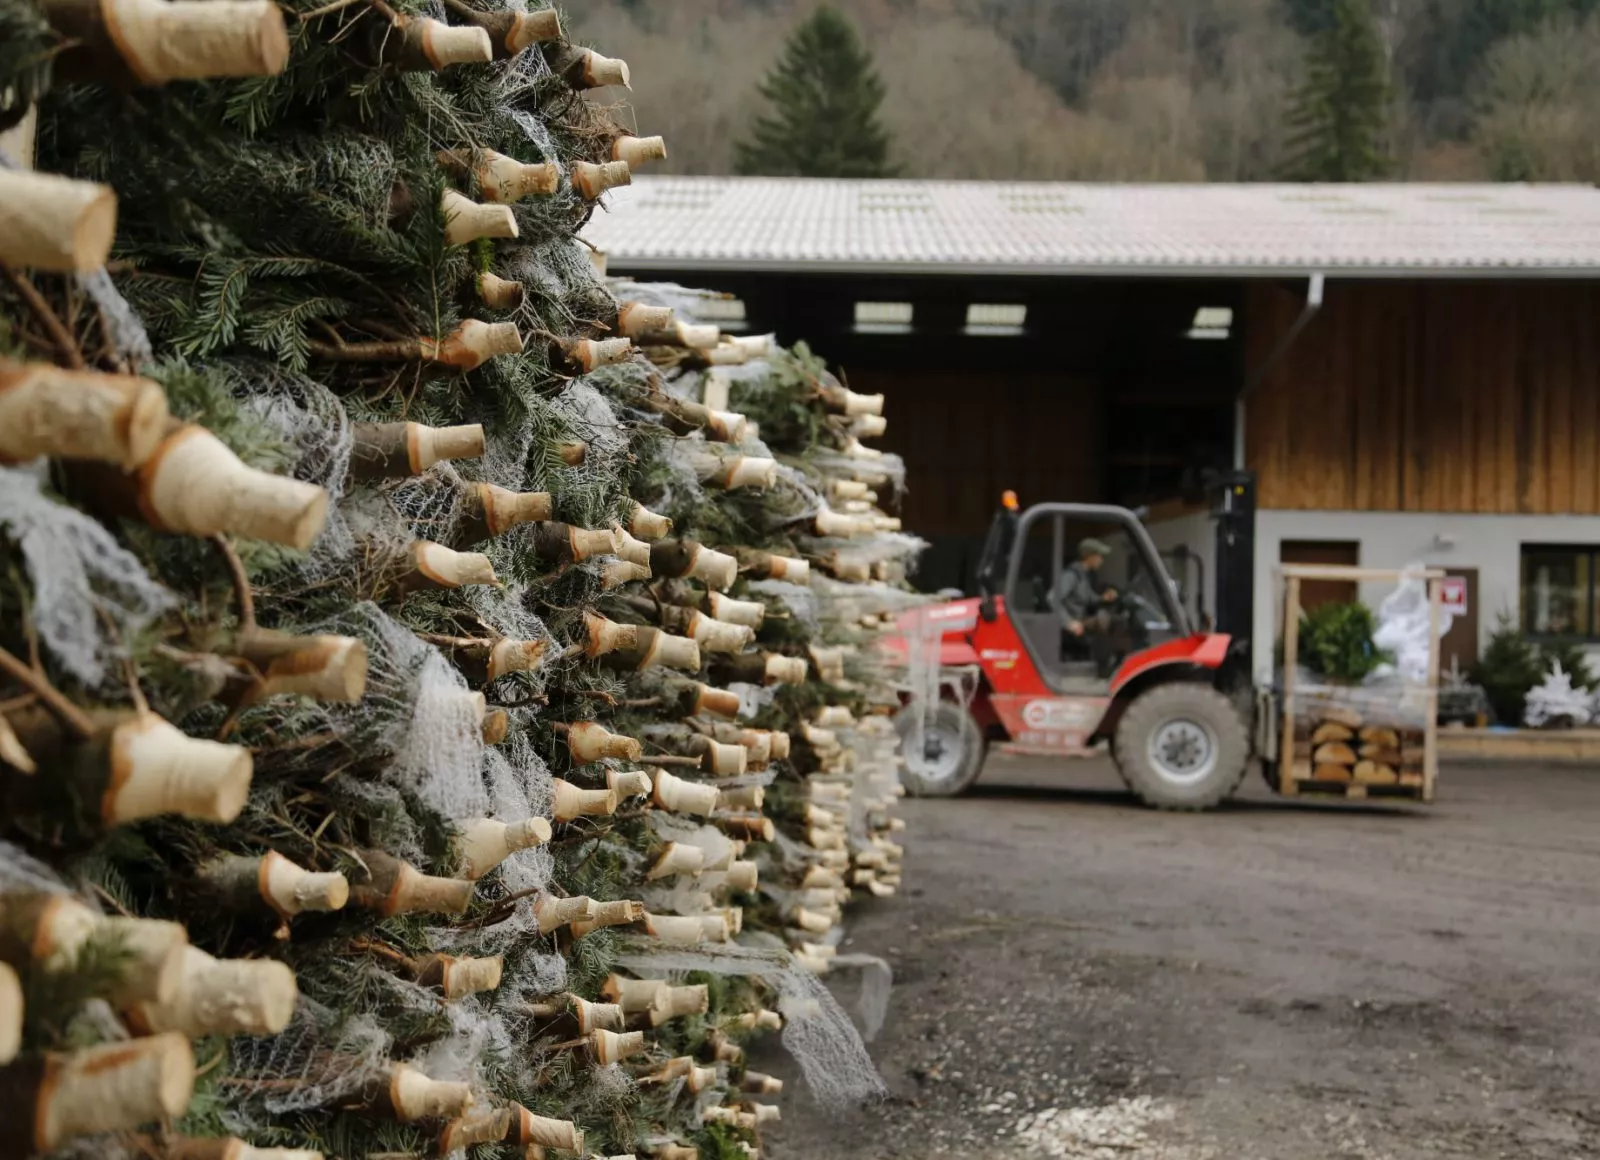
(1078, 592)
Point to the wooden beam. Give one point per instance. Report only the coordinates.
(1352, 572)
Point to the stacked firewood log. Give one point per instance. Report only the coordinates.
(1339, 745)
(427, 722)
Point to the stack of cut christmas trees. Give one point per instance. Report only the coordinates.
(403, 680)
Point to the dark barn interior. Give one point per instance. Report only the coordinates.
(1101, 394)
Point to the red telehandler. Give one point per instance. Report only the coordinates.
(1175, 703)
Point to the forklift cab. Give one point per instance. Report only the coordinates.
(1024, 558)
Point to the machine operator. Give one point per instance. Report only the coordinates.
(1081, 603)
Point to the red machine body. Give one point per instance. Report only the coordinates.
(1014, 704)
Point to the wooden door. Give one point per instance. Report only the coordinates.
(1317, 592)
(1461, 642)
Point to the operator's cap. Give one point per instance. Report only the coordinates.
(1092, 547)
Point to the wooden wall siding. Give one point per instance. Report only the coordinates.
(968, 436)
(1430, 397)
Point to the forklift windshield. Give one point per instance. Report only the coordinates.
(1085, 589)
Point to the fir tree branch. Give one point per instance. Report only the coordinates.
(62, 709)
(241, 583)
(42, 310)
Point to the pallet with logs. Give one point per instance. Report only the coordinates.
(1355, 750)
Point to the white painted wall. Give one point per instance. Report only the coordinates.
(1489, 543)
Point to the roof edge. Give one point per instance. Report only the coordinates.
(625, 264)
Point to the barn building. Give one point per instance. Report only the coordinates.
(1411, 372)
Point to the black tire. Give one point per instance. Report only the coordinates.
(959, 744)
(1182, 746)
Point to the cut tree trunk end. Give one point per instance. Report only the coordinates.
(511, 32)
(621, 912)
(679, 796)
(430, 565)
(583, 68)
(327, 669)
(495, 725)
(590, 181)
(675, 930)
(193, 485)
(715, 636)
(564, 543)
(489, 511)
(478, 1126)
(718, 702)
(638, 319)
(242, 884)
(10, 1014)
(571, 802)
(48, 931)
(539, 1131)
(151, 42)
(589, 741)
(142, 767)
(638, 150)
(688, 558)
(396, 450)
(67, 414)
(615, 573)
(647, 525)
(504, 179)
(458, 978)
(627, 783)
(223, 997)
(498, 293)
(486, 843)
(634, 551)
(752, 827)
(411, 1096)
(590, 354)
(391, 886)
(750, 613)
(553, 913)
(847, 402)
(774, 567)
(473, 343)
(428, 45)
(467, 221)
(631, 646)
(485, 661)
(49, 1100)
(736, 471)
(677, 858)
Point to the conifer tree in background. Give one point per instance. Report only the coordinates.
(1339, 115)
(825, 95)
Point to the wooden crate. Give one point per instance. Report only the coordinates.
(1404, 765)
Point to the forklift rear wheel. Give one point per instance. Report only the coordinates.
(1182, 747)
(951, 753)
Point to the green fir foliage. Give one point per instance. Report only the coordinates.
(824, 95)
(1336, 641)
(1508, 670)
(1339, 115)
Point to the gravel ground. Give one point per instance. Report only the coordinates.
(1078, 977)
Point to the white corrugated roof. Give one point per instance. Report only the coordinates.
(999, 227)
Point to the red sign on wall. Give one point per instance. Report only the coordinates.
(1453, 595)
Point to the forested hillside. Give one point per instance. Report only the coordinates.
(1139, 89)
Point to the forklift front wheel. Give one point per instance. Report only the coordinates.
(1182, 746)
(949, 756)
